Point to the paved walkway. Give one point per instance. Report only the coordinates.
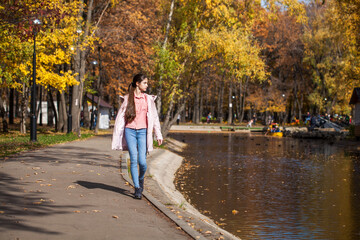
(75, 191)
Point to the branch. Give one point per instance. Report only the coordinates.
(102, 13)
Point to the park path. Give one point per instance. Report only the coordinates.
(75, 191)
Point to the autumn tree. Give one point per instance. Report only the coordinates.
(53, 40)
(329, 54)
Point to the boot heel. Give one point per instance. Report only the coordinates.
(137, 194)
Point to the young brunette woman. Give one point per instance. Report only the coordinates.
(133, 130)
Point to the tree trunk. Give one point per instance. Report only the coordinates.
(159, 89)
(201, 106)
(52, 104)
(229, 120)
(97, 115)
(23, 105)
(39, 108)
(80, 62)
(299, 102)
(243, 99)
(62, 113)
(221, 102)
(165, 128)
(196, 119)
(86, 114)
(100, 93)
(236, 102)
(3, 114)
(50, 113)
(11, 106)
(17, 104)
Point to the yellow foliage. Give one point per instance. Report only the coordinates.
(237, 48)
(53, 48)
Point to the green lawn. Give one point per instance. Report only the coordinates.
(14, 142)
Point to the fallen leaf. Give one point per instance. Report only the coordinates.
(114, 216)
(71, 186)
(1, 212)
(76, 211)
(208, 232)
(234, 212)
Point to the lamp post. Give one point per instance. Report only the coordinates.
(33, 92)
(283, 114)
(69, 128)
(92, 99)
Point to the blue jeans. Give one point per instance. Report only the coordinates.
(136, 142)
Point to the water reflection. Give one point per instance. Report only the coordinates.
(282, 188)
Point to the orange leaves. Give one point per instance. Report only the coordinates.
(128, 38)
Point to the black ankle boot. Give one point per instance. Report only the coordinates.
(141, 183)
(137, 194)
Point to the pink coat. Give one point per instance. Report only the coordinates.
(153, 123)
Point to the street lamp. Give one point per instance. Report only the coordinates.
(33, 92)
(92, 99)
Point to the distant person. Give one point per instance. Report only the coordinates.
(308, 117)
(208, 118)
(178, 119)
(81, 118)
(269, 120)
(254, 119)
(313, 123)
(134, 125)
(95, 117)
(347, 119)
(250, 123)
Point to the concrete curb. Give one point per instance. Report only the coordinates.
(183, 225)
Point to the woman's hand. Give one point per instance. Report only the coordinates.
(160, 141)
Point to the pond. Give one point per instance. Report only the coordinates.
(260, 187)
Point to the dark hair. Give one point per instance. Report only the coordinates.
(130, 112)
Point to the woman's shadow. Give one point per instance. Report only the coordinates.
(92, 185)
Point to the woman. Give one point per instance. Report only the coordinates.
(133, 130)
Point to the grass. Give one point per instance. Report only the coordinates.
(13, 142)
(182, 205)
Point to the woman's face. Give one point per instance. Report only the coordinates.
(143, 85)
